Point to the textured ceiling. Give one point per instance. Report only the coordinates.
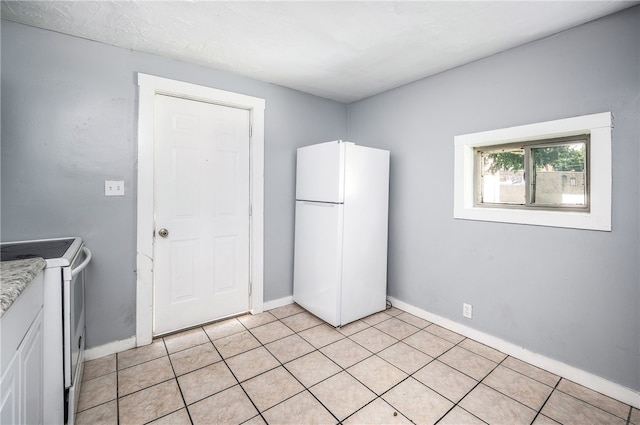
(345, 51)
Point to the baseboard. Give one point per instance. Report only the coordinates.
(579, 376)
(126, 344)
(280, 302)
(110, 348)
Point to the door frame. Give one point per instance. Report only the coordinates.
(148, 87)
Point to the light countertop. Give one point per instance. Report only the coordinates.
(15, 277)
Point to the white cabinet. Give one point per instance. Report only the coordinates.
(21, 382)
(31, 374)
(10, 393)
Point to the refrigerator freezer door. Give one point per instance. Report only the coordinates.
(320, 172)
(318, 259)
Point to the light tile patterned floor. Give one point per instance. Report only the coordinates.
(286, 366)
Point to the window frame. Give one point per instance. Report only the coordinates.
(529, 170)
(598, 217)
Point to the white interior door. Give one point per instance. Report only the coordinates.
(201, 198)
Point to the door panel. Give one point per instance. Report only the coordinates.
(225, 180)
(185, 174)
(201, 269)
(226, 259)
(183, 285)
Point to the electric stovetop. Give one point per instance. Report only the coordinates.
(47, 249)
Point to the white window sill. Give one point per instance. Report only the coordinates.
(568, 219)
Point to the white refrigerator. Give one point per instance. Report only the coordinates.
(342, 204)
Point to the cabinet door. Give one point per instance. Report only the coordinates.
(10, 393)
(32, 373)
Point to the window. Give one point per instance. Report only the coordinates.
(542, 174)
(554, 173)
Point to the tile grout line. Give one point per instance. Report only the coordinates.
(348, 373)
(538, 412)
(481, 381)
(545, 401)
(375, 354)
(148, 386)
(175, 377)
(224, 360)
(531, 377)
(589, 403)
(280, 363)
(478, 382)
(457, 344)
(117, 395)
(379, 396)
(306, 389)
(553, 389)
(97, 377)
(411, 375)
(369, 326)
(457, 403)
(317, 349)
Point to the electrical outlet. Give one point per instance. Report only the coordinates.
(467, 310)
(113, 188)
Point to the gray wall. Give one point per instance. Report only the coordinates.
(69, 123)
(572, 295)
(69, 112)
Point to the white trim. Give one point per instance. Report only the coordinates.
(598, 218)
(110, 348)
(149, 86)
(596, 383)
(280, 302)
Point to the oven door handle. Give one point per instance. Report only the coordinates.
(87, 253)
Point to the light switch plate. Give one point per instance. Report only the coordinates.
(113, 188)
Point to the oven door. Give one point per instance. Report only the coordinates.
(73, 313)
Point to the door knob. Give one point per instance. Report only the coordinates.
(163, 233)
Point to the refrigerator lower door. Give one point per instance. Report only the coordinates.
(318, 259)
